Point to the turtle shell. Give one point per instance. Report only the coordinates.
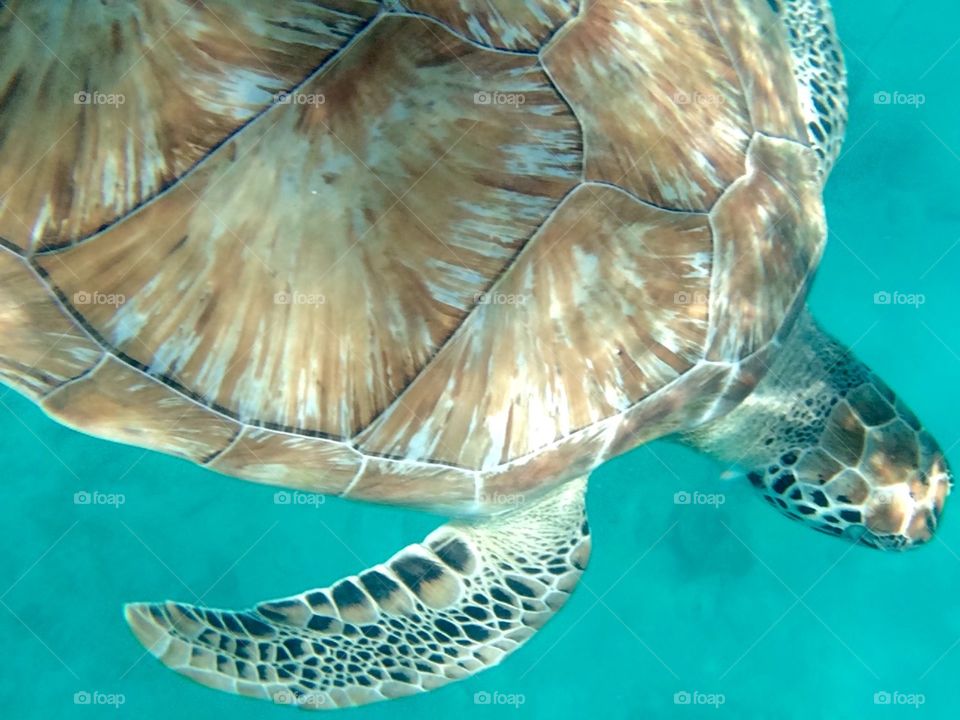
(423, 252)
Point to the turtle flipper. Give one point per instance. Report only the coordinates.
(829, 444)
(821, 74)
(437, 611)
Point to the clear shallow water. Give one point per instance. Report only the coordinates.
(738, 601)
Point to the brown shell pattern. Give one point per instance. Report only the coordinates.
(421, 252)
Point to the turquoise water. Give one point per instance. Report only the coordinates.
(735, 602)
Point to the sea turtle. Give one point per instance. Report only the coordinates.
(447, 255)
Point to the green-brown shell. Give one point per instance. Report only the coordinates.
(427, 252)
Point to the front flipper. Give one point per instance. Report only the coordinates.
(437, 611)
(831, 445)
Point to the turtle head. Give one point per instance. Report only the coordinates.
(875, 453)
(829, 444)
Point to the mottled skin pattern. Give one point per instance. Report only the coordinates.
(568, 285)
(469, 252)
